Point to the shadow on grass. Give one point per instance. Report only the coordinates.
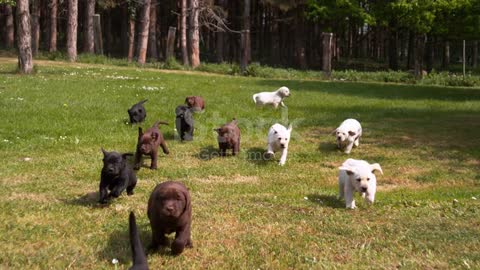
(88, 200)
(118, 245)
(208, 153)
(326, 200)
(327, 147)
(257, 156)
(383, 91)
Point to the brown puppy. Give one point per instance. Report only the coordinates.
(148, 144)
(170, 210)
(229, 138)
(195, 102)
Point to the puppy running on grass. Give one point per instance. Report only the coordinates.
(357, 175)
(116, 176)
(348, 135)
(278, 139)
(274, 98)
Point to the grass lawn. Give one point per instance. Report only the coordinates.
(247, 213)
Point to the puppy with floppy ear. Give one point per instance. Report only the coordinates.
(196, 103)
(273, 98)
(278, 139)
(116, 176)
(138, 254)
(137, 112)
(148, 144)
(357, 176)
(229, 137)
(184, 123)
(170, 210)
(348, 135)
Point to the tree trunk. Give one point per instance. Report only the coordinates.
(24, 38)
(327, 39)
(152, 33)
(475, 54)
(131, 38)
(429, 53)
(245, 42)
(411, 51)
(446, 55)
(72, 30)
(143, 33)
(246, 27)
(300, 39)
(89, 39)
(97, 34)
(53, 25)
(392, 52)
(124, 30)
(10, 29)
(419, 55)
(170, 42)
(35, 21)
(194, 34)
(183, 34)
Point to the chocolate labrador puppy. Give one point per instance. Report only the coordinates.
(184, 123)
(148, 144)
(116, 176)
(229, 138)
(195, 102)
(170, 210)
(137, 112)
(138, 254)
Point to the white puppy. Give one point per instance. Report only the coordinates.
(348, 134)
(278, 138)
(357, 175)
(273, 98)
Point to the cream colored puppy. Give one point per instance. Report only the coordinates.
(357, 175)
(274, 98)
(278, 139)
(348, 135)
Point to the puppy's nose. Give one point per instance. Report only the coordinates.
(282, 145)
(170, 208)
(339, 138)
(364, 189)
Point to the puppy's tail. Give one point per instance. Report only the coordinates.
(160, 123)
(141, 102)
(138, 254)
(254, 98)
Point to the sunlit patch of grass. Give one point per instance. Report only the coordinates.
(248, 212)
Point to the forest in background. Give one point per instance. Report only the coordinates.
(403, 34)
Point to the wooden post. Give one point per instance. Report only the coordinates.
(170, 42)
(97, 34)
(327, 53)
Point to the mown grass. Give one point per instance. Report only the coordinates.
(247, 213)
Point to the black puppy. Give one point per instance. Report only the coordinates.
(137, 112)
(117, 175)
(138, 254)
(184, 122)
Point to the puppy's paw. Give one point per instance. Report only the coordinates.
(269, 155)
(177, 247)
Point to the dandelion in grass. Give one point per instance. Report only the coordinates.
(115, 262)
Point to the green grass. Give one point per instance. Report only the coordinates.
(247, 213)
